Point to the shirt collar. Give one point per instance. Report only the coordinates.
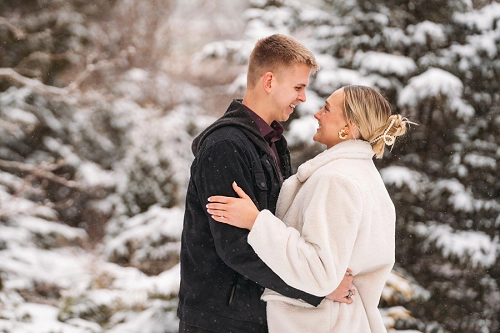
(270, 133)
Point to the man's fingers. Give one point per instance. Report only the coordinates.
(348, 279)
(345, 300)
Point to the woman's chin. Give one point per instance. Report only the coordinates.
(316, 138)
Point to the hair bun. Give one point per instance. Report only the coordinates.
(389, 139)
(397, 127)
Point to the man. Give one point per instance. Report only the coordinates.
(222, 278)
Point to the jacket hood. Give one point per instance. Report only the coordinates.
(235, 115)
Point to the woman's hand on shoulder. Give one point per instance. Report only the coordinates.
(239, 212)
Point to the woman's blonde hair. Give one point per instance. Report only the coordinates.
(274, 53)
(371, 113)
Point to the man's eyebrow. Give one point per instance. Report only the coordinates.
(327, 104)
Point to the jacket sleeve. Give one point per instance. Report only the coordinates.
(220, 165)
(315, 259)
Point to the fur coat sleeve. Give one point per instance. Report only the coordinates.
(334, 214)
(316, 260)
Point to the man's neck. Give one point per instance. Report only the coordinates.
(257, 105)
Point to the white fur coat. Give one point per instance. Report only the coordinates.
(337, 214)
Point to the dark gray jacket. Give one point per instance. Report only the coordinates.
(222, 279)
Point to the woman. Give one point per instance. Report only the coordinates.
(336, 213)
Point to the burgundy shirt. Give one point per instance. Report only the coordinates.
(271, 134)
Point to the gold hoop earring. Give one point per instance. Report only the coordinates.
(343, 134)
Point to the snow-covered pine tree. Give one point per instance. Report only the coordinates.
(82, 130)
(451, 228)
(437, 62)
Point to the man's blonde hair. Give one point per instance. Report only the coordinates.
(371, 113)
(277, 52)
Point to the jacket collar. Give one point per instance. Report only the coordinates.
(235, 115)
(350, 149)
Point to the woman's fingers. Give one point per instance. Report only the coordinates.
(219, 218)
(240, 212)
(217, 206)
(223, 199)
(216, 212)
(219, 215)
(219, 198)
(217, 209)
(220, 207)
(240, 191)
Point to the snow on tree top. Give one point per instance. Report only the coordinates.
(384, 63)
(435, 83)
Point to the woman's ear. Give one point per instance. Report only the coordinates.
(353, 130)
(267, 81)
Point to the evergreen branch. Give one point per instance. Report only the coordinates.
(42, 171)
(17, 32)
(42, 88)
(36, 85)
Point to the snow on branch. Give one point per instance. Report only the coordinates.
(384, 63)
(468, 247)
(17, 32)
(42, 171)
(32, 83)
(45, 89)
(434, 83)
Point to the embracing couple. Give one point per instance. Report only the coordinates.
(263, 250)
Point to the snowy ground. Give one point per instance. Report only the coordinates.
(50, 284)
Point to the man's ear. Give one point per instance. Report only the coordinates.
(267, 81)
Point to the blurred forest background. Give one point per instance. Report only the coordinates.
(99, 103)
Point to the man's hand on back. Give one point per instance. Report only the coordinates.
(344, 291)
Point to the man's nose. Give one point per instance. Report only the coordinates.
(302, 96)
(317, 115)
